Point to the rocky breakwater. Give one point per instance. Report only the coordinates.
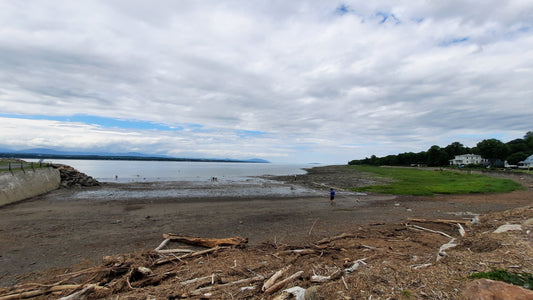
(71, 177)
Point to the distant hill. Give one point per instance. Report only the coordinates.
(57, 154)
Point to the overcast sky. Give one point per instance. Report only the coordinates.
(286, 81)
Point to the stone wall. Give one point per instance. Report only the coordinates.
(19, 185)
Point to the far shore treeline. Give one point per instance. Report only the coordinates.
(492, 149)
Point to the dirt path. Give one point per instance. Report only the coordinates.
(67, 227)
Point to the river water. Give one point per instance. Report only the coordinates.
(137, 171)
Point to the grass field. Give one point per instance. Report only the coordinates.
(429, 182)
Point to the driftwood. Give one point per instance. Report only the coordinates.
(355, 266)
(43, 290)
(338, 237)
(280, 284)
(203, 290)
(445, 247)
(268, 283)
(441, 221)
(206, 242)
(197, 253)
(322, 279)
(79, 294)
(202, 280)
(297, 251)
(430, 230)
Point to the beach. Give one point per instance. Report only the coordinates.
(67, 227)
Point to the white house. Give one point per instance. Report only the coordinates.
(526, 163)
(466, 159)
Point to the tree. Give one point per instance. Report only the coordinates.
(454, 149)
(493, 150)
(437, 157)
(514, 158)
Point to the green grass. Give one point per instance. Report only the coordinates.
(521, 279)
(428, 182)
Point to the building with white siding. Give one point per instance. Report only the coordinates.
(466, 159)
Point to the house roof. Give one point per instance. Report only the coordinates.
(528, 160)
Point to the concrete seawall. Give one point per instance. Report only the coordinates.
(20, 184)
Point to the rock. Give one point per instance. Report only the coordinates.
(485, 289)
(508, 227)
(71, 177)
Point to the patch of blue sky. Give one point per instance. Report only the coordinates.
(386, 17)
(343, 9)
(100, 121)
(250, 133)
(454, 41)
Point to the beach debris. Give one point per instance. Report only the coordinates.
(297, 251)
(355, 266)
(277, 286)
(338, 237)
(168, 259)
(462, 231)
(206, 242)
(441, 221)
(445, 247)
(269, 282)
(428, 230)
(245, 281)
(508, 227)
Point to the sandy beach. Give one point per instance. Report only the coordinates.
(81, 226)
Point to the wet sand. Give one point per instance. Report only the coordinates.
(71, 226)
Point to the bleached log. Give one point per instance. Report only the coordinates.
(445, 247)
(206, 242)
(268, 283)
(203, 290)
(322, 279)
(281, 283)
(430, 230)
(197, 253)
(79, 294)
(163, 244)
(462, 231)
(441, 221)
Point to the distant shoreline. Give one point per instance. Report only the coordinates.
(120, 157)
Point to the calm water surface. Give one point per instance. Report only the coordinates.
(130, 171)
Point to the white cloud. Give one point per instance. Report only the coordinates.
(387, 76)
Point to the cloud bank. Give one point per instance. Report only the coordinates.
(304, 81)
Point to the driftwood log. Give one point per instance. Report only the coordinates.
(441, 221)
(205, 242)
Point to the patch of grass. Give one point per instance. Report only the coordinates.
(521, 279)
(429, 182)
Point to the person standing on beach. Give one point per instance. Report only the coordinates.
(332, 196)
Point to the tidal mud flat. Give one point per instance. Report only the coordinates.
(80, 226)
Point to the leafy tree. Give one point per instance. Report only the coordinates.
(517, 145)
(516, 157)
(454, 149)
(437, 156)
(492, 149)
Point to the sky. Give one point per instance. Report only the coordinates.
(286, 81)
